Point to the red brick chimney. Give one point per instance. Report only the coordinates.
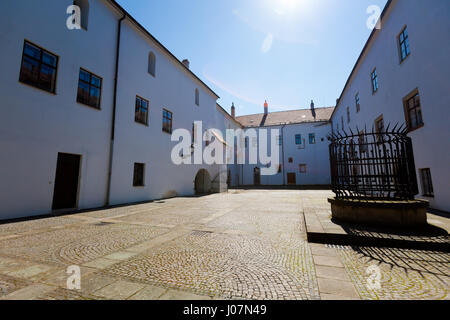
(233, 111)
(266, 108)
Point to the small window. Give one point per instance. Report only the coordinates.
(280, 167)
(139, 173)
(89, 89)
(152, 64)
(348, 115)
(342, 122)
(404, 44)
(197, 97)
(291, 160)
(84, 8)
(312, 138)
(374, 78)
(358, 105)
(298, 139)
(427, 183)
(167, 121)
(379, 127)
(141, 111)
(302, 168)
(39, 68)
(413, 111)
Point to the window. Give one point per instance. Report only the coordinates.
(342, 122)
(167, 121)
(427, 183)
(152, 64)
(379, 126)
(298, 139)
(197, 97)
(358, 105)
(404, 44)
(84, 8)
(280, 167)
(362, 142)
(89, 89)
(291, 160)
(39, 68)
(348, 114)
(138, 176)
(141, 111)
(374, 81)
(413, 112)
(302, 168)
(312, 138)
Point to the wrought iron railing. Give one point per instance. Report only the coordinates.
(373, 165)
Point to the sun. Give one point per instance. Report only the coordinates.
(286, 7)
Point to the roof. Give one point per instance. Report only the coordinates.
(286, 117)
(220, 108)
(366, 46)
(146, 32)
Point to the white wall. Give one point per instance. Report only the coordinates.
(36, 125)
(173, 89)
(315, 156)
(427, 68)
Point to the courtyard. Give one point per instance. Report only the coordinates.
(244, 244)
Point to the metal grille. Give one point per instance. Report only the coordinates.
(373, 165)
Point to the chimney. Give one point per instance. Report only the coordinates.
(186, 63)
(313, 110)
(233, 111)
(266, 108)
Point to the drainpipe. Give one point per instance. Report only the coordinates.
(113, 123)
(282, 154)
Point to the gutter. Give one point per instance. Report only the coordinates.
(282, 154)
(113, 122)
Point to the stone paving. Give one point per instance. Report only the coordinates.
(244, 244)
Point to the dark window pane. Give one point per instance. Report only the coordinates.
(84, 76)
(49, 59)
(30, 70)
(96, 81)
(32, 51)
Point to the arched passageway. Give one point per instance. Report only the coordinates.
(202, 182)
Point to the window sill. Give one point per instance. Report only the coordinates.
(428, 196)
(37, 88)
(89, 106)
(143, 186)
(402, 61)
(167, 132)
(142, 124)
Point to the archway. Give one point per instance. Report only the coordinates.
(202, 182)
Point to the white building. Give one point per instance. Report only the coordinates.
(402, 76)
(303, 144)
(73, 137)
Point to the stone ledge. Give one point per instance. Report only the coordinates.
(411, 213)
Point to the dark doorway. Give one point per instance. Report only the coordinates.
(291, 178)
(66, 181)
(257, 176)
(202, 182)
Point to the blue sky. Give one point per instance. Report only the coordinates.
(285, 51)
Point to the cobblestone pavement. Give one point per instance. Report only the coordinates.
(238, 245)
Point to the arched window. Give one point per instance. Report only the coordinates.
(152, 63)
(84, 8)
(197, 97)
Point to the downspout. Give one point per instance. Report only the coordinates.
(282, 154)
(113, 123)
